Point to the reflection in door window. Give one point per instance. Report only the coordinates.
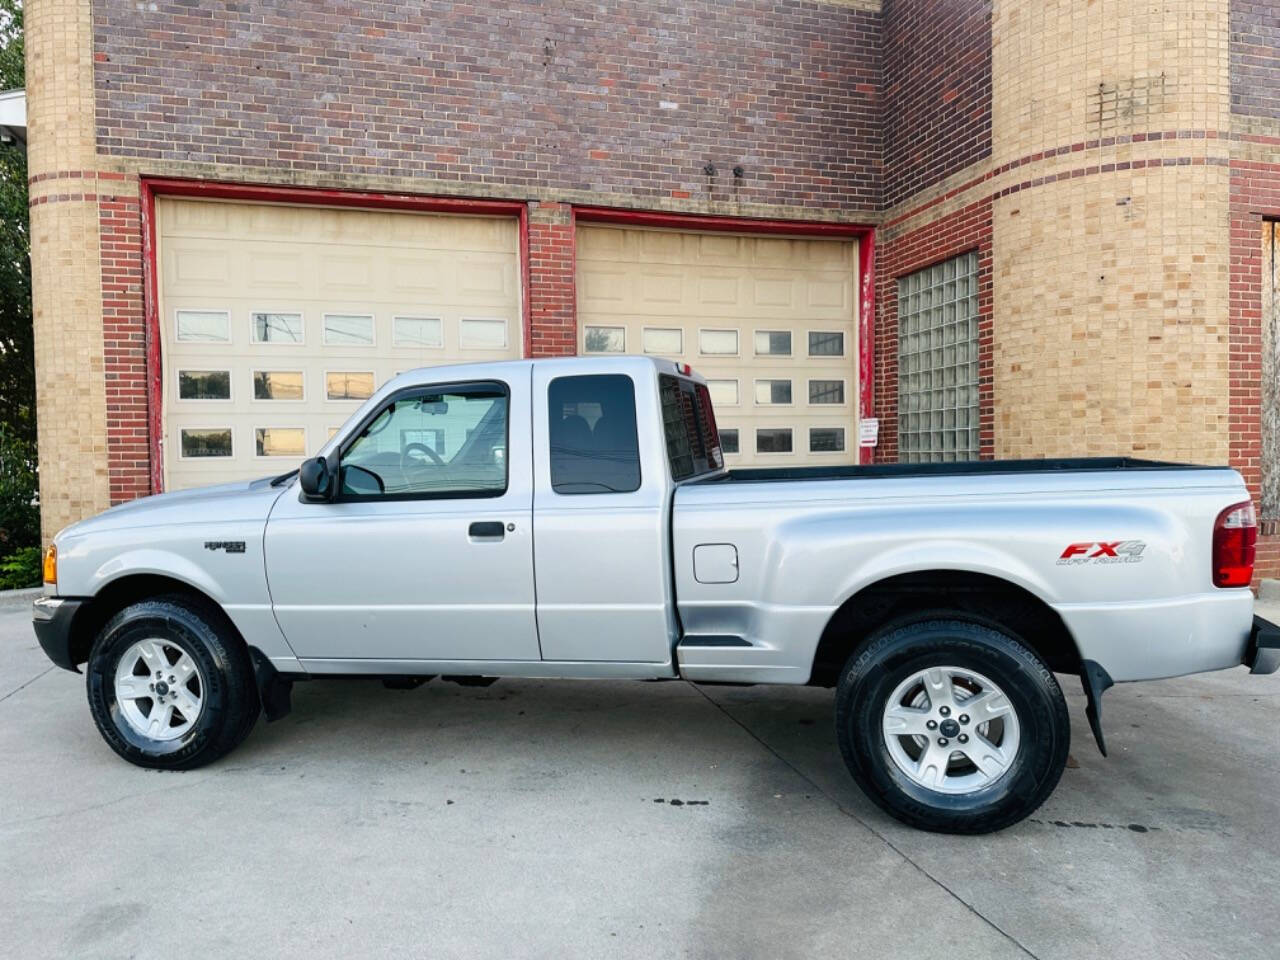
(444, 441)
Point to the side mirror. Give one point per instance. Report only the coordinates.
(313, 476)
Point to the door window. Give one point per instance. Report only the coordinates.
(595, 447)
(448, 441)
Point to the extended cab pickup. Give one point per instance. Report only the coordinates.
(573, 518)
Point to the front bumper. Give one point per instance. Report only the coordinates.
(1262, 655)
(51, 617)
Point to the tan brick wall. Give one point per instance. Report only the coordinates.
(1065, 71)
(66, 276)
(1111, 257)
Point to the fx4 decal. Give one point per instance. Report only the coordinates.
(1102, 551)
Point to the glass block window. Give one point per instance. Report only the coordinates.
(938, 362)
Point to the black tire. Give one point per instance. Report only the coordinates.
(889, 658)
(230, 697)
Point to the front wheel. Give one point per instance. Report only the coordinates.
(170, 684)
(952, 726)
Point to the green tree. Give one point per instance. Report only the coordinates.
(19, 517)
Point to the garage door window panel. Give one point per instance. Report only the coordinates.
(445, 442)
(277, 385)
(475, 333)
(203, 326)
(280, 442)
(773, 343)
(420, 332)
(826, 392)
(724, 393)
(349, 384)
(773, 393)
(204, 385)
(348, 330)
(718, 343)
(597, 339)
(205, 443)
(663, 341)
(729, 440)
(288, 329)
(773, 440)
(826, 439)
(826, 343)
(595, 445)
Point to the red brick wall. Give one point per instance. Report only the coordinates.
(1255, 194)
(124, 338)
(937, 91)
(551, 280)
(965, 230)
(565, 95)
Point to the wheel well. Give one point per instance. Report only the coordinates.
(971, 596)
(118, 594)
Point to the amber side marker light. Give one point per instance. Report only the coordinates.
(51, 564)
(1235, 540)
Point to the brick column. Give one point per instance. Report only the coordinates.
(65, 273)
(551, 280)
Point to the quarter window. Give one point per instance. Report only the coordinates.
(448, 441)
(595, 447)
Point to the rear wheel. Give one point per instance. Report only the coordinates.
(952, 726)
(170, 684)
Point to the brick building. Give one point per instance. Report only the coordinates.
(1015, 229)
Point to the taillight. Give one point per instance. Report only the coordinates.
(1235, 545)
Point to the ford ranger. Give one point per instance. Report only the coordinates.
(574, 518)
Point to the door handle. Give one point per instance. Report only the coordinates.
(485, 530)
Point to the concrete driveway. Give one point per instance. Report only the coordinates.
(621, 819)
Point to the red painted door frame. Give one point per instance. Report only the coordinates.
(865, 235)
(151, 187)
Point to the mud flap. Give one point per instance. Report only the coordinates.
(1095, 681)
(274, 691)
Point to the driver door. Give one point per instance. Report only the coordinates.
(426, 552)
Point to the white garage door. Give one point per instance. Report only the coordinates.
(769, 321)
(276, 321)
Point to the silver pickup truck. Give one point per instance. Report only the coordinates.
(573, 518)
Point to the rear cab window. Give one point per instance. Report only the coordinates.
(689, 426)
